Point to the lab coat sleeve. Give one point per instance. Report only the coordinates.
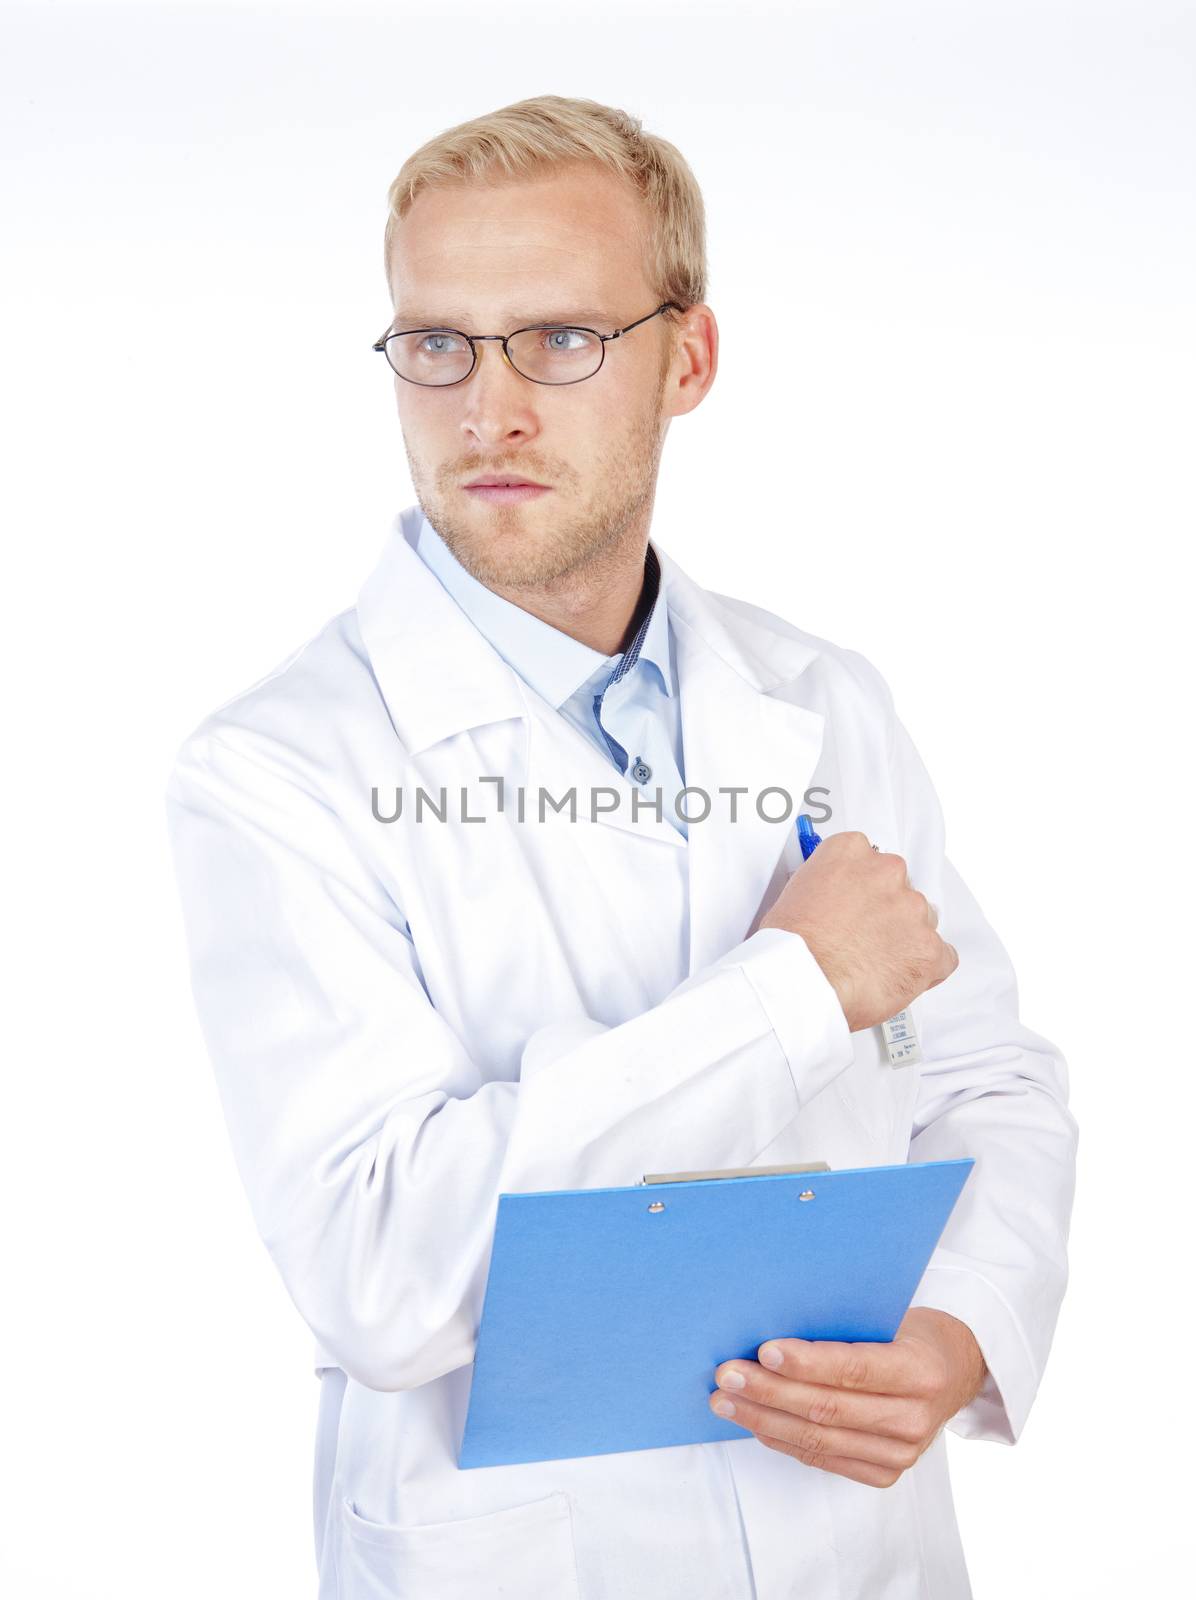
(991, 1089)
(372, 1148)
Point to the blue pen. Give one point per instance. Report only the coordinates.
(806, 836)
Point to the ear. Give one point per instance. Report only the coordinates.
(695, 360)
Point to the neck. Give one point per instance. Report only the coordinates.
(601, 605)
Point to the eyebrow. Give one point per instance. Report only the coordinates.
(460, 320)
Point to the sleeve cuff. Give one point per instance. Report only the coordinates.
(801, 1005)
(1000, 1409)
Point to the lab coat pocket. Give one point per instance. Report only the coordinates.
(522, 1552)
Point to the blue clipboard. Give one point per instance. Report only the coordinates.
(607, 1310)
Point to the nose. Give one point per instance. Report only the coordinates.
(499, 403)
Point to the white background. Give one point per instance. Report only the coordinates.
(971, 461)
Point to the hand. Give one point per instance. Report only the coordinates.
(872, 933)
(863, 1411)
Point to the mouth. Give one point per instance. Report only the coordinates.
(504, 488)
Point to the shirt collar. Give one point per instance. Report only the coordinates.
(553, 662)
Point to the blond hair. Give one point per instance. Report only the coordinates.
(530, 137)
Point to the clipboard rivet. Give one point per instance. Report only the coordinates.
(657, 1205)
(806, 1194)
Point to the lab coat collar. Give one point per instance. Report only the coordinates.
(410, 623)
(741, 720)
(438, 674)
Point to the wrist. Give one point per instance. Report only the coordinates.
(956, 1343)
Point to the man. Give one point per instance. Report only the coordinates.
(424, 984)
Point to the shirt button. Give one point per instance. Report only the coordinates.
(641, 772)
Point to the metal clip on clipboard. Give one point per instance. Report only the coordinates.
(732, 1172)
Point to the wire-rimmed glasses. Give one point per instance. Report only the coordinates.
(549, 352)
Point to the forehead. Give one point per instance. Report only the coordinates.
(567, 245)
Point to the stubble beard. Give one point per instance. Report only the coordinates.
(617, 511)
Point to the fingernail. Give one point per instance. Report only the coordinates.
(732, 1379)
(724, 1407)
(770, 1356)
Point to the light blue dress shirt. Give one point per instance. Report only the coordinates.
(628, 703)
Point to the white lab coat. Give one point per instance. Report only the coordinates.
(406, 1019)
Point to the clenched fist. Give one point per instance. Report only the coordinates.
(872, 933)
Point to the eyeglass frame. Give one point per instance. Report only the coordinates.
(474, 338)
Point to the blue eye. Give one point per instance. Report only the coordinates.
(442, 344)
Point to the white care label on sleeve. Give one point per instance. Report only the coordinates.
(901, 1039)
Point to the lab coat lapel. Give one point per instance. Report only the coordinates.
(741, 728)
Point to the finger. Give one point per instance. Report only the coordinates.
(929, 911)
(837, 1364)
(948, 961)
(812, 1442)
(896, 1417)
(861, 1471)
